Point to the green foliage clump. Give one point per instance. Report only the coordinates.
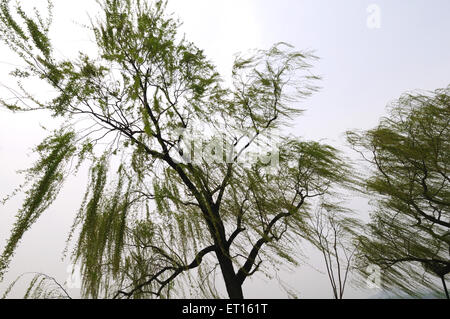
(46, 177)
(409, 236)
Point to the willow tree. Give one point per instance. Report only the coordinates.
(409, 235)
(162, 211)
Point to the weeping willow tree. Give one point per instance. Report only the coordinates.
(409, 236)
(187, 180)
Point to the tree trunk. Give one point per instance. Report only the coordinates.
(234, 288)
(445, 286)
(217, 231)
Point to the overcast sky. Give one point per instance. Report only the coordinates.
(363, 69)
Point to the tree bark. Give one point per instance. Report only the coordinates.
(232, 284)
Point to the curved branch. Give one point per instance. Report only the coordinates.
(177, 270)
(245, 270)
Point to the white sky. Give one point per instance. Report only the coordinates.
(363, 70)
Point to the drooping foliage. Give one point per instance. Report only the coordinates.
(409, 235)
(189, 176)
(46, 178)
(41, 286)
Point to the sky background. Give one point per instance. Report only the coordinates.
(363, 69)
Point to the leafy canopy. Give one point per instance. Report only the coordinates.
(151, 215)
(409, 236)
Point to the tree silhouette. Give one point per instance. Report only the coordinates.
(334, 232)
